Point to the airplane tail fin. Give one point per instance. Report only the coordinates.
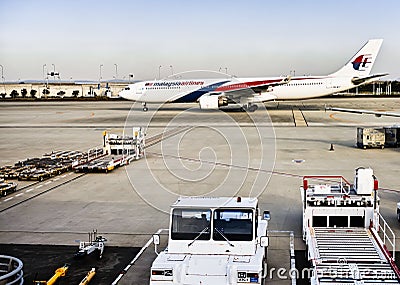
(361, 63)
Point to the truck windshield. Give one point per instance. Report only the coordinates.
(235, 225)
(187, 224)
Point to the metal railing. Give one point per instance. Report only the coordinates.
(11, 270)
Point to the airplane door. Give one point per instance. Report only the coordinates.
(329, 84)
(140, 90)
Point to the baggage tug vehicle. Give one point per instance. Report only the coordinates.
(213, 241)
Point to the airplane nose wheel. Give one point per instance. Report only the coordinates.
(145, 109)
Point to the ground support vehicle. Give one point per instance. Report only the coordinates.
(7, 187)
(89, 276)
(370, 138)
(213, 241)
(392, 136)
(95, 244)
(348, 241)
(60, 272)
(51, 164)
(117, 151)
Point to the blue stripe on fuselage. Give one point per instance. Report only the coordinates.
(193, 96)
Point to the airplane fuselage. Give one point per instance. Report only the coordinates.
(188, 91)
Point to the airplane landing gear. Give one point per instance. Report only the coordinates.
(145, 109)
(250, 107)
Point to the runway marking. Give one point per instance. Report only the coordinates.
(8, 199)
(29, 190)
(47, 183)
(20, 194)
(33, 196)
(332, 116)
(298, 118)
(148, 243)
(56, 179)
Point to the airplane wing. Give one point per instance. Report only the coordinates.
(361, 80)
(358, 111)
(264, 87)
(250, 89)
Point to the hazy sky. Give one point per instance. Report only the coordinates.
(249, 38)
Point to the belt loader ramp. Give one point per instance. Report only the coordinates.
(348, 241)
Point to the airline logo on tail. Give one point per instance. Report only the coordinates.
(361, 62)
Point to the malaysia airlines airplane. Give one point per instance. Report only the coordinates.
(215, 93)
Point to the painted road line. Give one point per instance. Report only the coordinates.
(55, 179)
(29, 190)
(39, 186)
(20, 194)
(8, 199)
(47, 183)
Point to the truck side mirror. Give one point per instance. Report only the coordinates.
(266, 216)
(156, 239)
(264, 241)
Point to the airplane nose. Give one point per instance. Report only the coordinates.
(124, 94)
(121, 94)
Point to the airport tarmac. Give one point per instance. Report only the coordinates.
(229, 153)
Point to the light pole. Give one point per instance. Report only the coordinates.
(2, 78)
(116, 70)
(159, 72)
(172, 69)
(44, 78)
(101, 65)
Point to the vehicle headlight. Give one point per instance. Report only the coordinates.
(161, 274)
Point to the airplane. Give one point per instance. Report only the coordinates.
(247, 92)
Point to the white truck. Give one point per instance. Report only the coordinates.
(348, 241)
(213, 241)
(398, 211)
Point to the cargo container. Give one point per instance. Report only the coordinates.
(370, 138)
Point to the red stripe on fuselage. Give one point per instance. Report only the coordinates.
(244, 85)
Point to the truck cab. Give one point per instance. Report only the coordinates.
(213, 241)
